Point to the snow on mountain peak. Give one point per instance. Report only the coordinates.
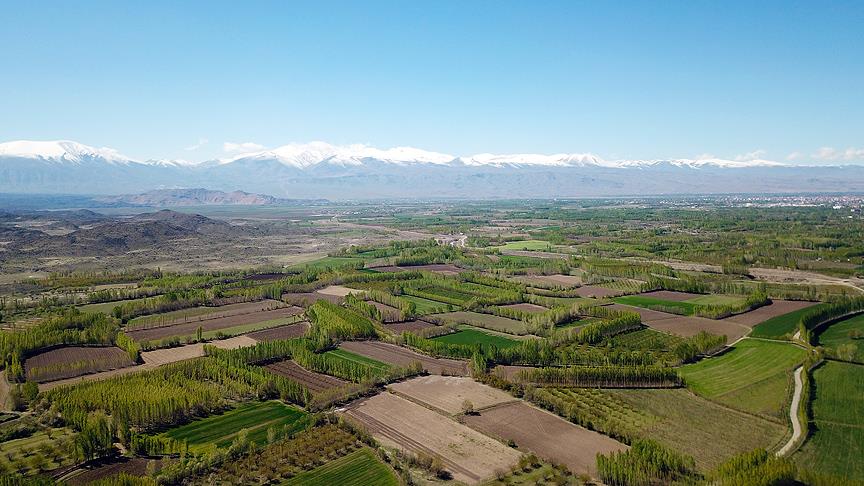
(60, 151)
(305, 155)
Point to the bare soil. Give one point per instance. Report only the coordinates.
(547, 435)
(217, 313)
(411, 326)
(448, 393)
(190, 328)
(525, 307)
(597, 292)
(305, 299)
(565, 281)
(388, 314)
(442, 268)
(315, 382)
(686, 325)
(467, 454)
(72, 361)
(337, 290)
(290, 331)
(136, 466)
(774, 309)
(399, 356)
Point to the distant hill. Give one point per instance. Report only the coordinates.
(189, 197)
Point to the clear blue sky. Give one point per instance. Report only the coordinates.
(619, 79)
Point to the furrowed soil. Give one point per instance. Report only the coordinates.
(136, 466)
(467, 454)
(686, 325)
(196, 314)
(315, 382)
(190, 328)
(448, 393)
(444, 269)
(399, 356)
(670, 295)
(388, 314)
(596, 292)
(72, 361)
(290, 331)
(774, 309)
(547, 435)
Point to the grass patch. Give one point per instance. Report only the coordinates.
(682, 308)
(752, 376)
(356, 358)
(716, 300)
(256, 418)
(692, 425)
(837, 334)
(781, 327)
(836, 444)
(530, 245)
(473, 336)
(496, 323)
(359, 468)
(20, 454)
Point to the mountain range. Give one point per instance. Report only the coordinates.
(319, 170)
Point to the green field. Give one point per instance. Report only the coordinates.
(473, 336)
(426, 306)
(21, 454)
(781, 327)
(837, 335)
(329, 261)
(752, 376)
(496, 323)
(533, 245)
(692, 425)
(359, 468)
(356, 358)
(836, 445)
(256, 418)
(716, 300)
(683, 308)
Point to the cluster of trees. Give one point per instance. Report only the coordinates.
(699, 345)
(69, 327)
(362, 307)
(603, 376)
(646, 463)
(817, 317)
(332, 323)
(407, 309)
(578, 412)
(616, 322)
(755, 468)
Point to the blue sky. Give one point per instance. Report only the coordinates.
(618, 79)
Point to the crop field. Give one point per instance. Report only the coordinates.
(496, 323)
(134, 466)
(597, 292)
(693, 425)
(426, 306)
(447, 393)
(686, 326)
(545, 434)
(752, 376)
(289, 331)
(72, 361)
(256, 418)
(836, 445)
(782, 325)
(411, 326)
(525, 307)
(641, 300)
(236, 323)
(446, 294)
(344, 355)
(396, 422)
(527, 245)
(201, 313)
(441, 268)
(549, 281)
(305, 299)
(399, 356)
(359, 468)
(473, 336)
(840, 334)
(315, 382)
(388, 314)
(646, 339)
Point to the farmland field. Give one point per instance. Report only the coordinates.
(135, 466)
(837, 441)
(489, 321)
(473, 336)
(257, 417)
(344, 355)
(530, 308)
(839, 334)
(543, 281)
(686, 326)
(692, 425)
(782, 326)
(447, 393)
(426, 306)
(597, 291)
(236, 323)
(752, 376)
(396, 422)
(72, 361)
(315, 382)
(359, 468)
(399, 356)
(14, 453)
(685, 308)
(412, 326)
(289, 331)
(530, 245)
(545, 434)
(201, 313)
(108, 307)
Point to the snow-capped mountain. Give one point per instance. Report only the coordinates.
(321, 170)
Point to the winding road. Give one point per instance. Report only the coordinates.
(793, 413)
